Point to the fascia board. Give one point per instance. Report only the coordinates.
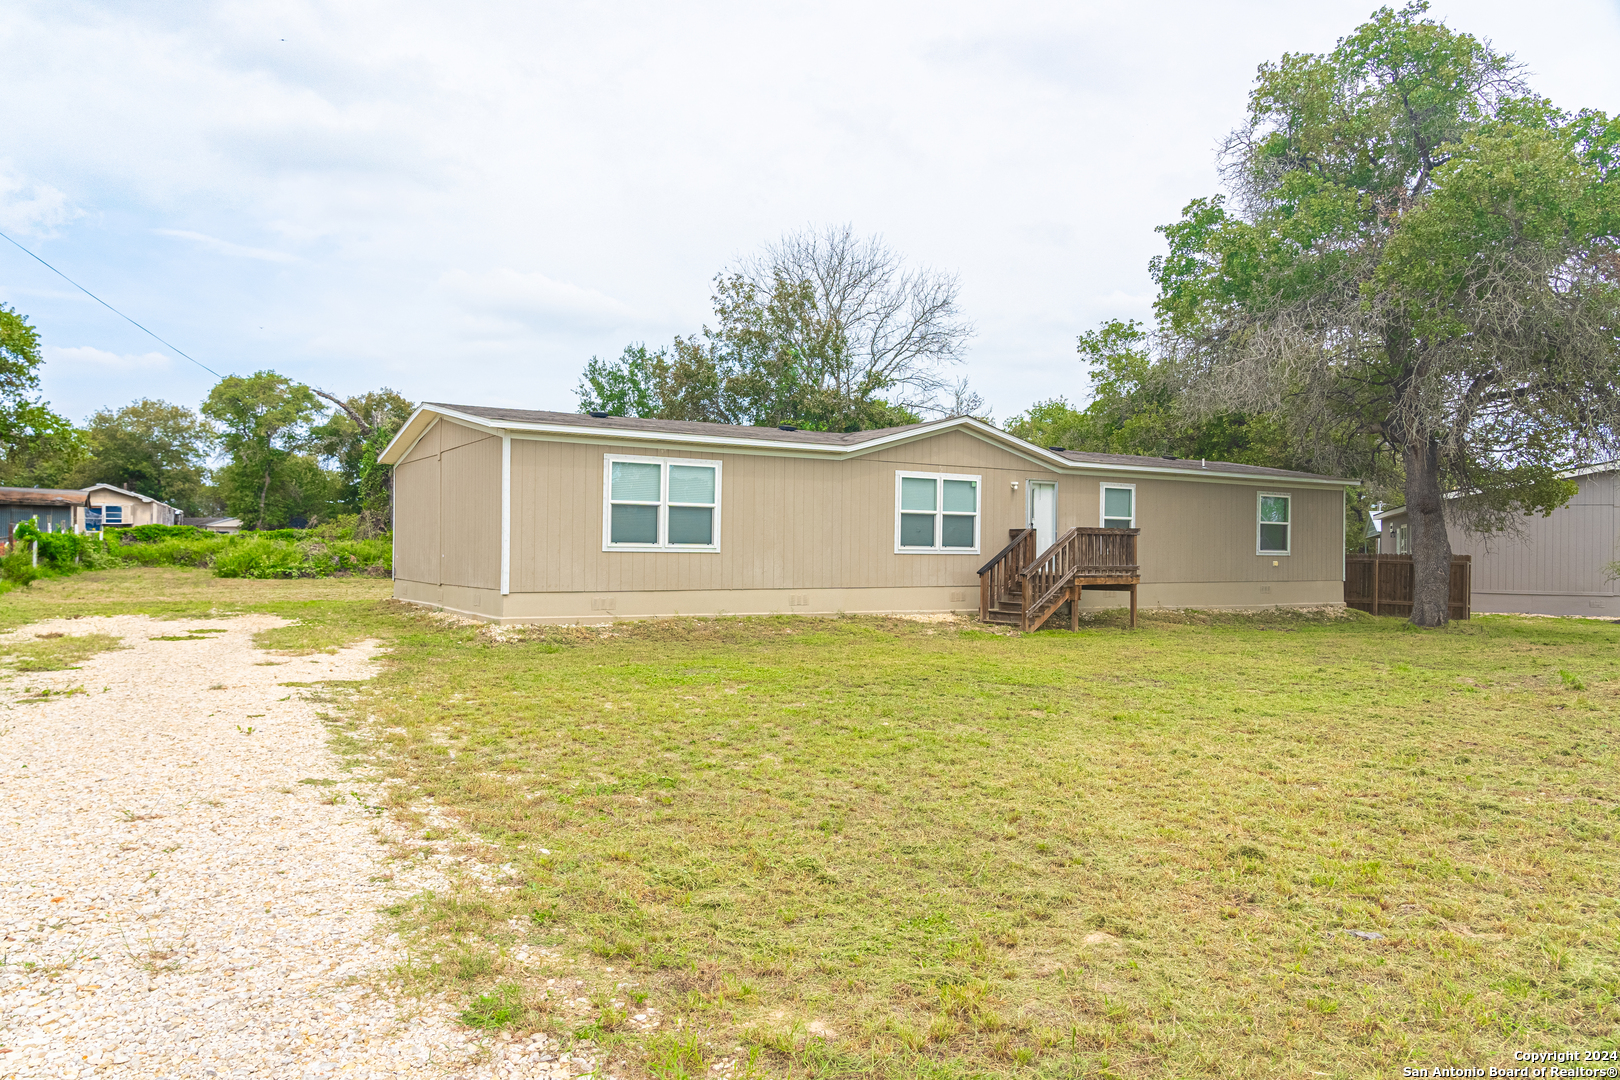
(1028, 451)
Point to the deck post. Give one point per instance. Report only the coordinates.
(1023, 616)
(1074, 607)
(1133, 607)
(984, 596)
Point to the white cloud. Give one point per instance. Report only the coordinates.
(86, 359)
(534, 296)
(467, 201)
(30, 207)
(225, 247)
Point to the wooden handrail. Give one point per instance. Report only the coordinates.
(1080, 551)
(1001, 572)
(1018, 538)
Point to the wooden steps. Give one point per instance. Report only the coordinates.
(1023, 588)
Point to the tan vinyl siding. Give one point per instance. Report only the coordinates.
(416, 520)
(804, 523)
(1210, 532)
(427, 446)
(1553, 565)
(786, 522)
(448, 527)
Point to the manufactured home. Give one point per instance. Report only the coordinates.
(520, 516)
(1559, 564)
(112, 506)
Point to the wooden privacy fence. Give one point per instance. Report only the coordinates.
(1382, 585)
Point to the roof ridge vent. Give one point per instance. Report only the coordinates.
(1057, 449)
(599, 415)
(787, 427)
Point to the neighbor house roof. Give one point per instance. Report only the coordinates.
(124, 491)
(16, 496)
(810, 443)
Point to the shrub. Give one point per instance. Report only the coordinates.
(152, 534)
(18, 567)
(62, 551)
(176, 552)
(261, 558)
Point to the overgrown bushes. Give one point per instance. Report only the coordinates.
(282, 553)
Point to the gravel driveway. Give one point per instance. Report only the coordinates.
(176, 899)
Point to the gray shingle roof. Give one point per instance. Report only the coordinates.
(1186, 464)
(674, 427)
(630, 425)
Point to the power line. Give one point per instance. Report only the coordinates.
(106, 305)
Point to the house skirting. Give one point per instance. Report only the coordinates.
(605, 607)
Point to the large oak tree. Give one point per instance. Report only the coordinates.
(1417, 266)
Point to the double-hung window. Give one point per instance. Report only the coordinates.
(1275, 525)
(1119, 506)
(660, 504)
(936, 512)
(112, 515)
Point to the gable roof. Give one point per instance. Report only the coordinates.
(811, 443)
(124, 491)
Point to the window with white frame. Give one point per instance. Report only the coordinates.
(660, 504)
(1118, 506)
(112, 515)
(1276, 528)
(936, 512)
(1403, 539)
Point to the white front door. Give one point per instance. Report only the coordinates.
(1043, 513)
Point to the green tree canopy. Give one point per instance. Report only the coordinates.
(264, 422)
(38, 448)
(826, 331)
(1135, 409)
(1417, 271)
(154, 448)
(358, 430)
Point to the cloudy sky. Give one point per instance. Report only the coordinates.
(466, 201)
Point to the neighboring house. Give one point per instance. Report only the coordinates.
(56, 509)
(1553, 565)
(225, 525)
(524, 516)
(114, 506)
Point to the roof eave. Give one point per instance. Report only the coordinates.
(413, 430)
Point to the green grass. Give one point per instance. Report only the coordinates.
(880, 848)
(328, 612)
(56, 651)
(1089, 854)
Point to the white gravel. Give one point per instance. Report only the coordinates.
(174, 902)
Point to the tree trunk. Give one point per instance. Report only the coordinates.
(264, 493)
(1431, 547)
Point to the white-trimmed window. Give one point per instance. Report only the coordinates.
(112, 515)
(1117, 506)
(1403, 539)
(936, 512)
(1275, 525)
(660, 504)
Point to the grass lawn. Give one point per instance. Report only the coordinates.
(1225, 846)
